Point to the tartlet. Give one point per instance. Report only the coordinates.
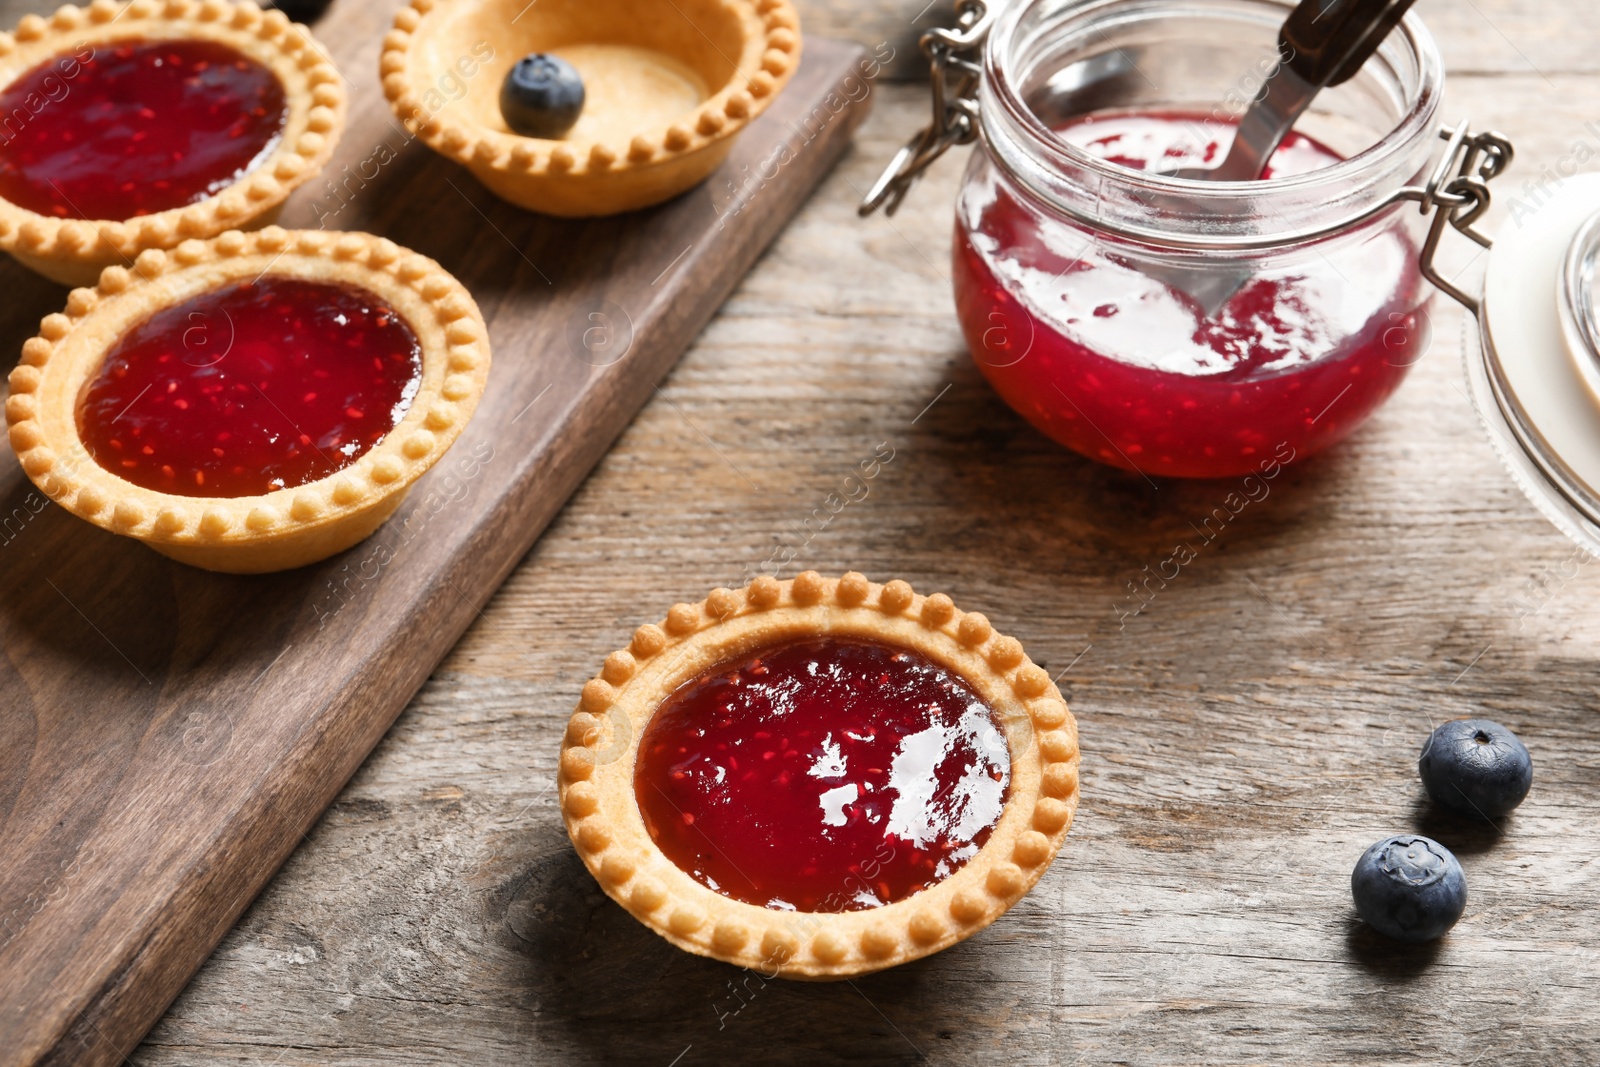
(669, 86)
(601, 759)
(73, 250)
(259, 531)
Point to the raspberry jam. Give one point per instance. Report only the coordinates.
(132, 128)
(1122, 367)
(829, 775)
(250, 388)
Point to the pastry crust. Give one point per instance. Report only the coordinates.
(602, 738)
(288, 527)
(74, 251)
(750, 48)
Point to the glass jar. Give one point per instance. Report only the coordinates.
(1181, 327)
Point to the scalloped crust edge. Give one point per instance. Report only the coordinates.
(595, 781)
(74, 251)
(584, 180)
(288, 527)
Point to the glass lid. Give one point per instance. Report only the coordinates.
(1537, 383)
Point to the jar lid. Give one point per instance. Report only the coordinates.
(1537, 383)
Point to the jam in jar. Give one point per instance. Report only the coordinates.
(1076, 257)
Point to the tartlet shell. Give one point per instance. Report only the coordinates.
(581, 179)
(601, 811)
(74, 251)
(288, 527)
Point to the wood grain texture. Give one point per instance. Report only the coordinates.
(170, 734)
(1245, 737)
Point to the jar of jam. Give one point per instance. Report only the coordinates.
(1169, 325)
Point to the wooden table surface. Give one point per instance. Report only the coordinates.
(1245, 737)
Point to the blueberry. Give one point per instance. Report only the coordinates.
(306, 11)
(542, 96)
(1409, 888)
(1476, 767)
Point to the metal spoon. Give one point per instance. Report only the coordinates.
(1322, 43)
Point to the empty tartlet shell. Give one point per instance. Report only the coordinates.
(288, 527)
(571, 178)
(74, 251)
(600, 747)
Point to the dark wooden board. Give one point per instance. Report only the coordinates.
(168, 735)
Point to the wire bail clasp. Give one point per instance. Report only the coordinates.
(1457, 192)
(954, 58)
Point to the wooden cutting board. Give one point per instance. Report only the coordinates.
(168, 735)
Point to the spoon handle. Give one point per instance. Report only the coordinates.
(1327, 41)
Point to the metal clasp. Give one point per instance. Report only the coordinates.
(955, 59)
(1457, 192)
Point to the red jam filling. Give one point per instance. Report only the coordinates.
(824, 775)
(250, 388)
(135, 127)
(1122, 367)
